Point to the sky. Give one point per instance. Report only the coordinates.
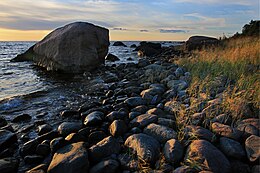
(175, 20)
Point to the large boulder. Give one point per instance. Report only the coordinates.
(198, 42)
(73, 48)
(148, 48)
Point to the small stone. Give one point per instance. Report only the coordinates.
(142, 109)
(75, 137)
(160, 133)
(21, 118)
(143, 120)
(94, 118)
(57, 143)
(133, 115)
(252, 146)
(232, 148)
(146, 147)
(116, 115)
(104, 148)
(45, 128)
(106, 166)
(135, 101)
(117, 128)
(69, 113)
(70, 159)
(96, 136)
(173, 151)
(66, 128)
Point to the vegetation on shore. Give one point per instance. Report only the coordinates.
(232, 66)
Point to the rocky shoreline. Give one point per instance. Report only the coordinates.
(135, 124)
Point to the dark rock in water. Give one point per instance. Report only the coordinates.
(160, 133)
(119, 43)
(33, 159)
(57, 52)
(22, 117)
(66, 128)
(70, 159)
(173, 151)
(111, 57)
(135, 101)
(7, 139)
(143, 120)
(96, 136)
(117, 128)
(146, 147)
(104, 148)
(148, 48)
(232, 148)
(198, 42)
(3, 121)
(106, 166)
(57, 143)
(94, 118)
(204, 153)
(9, 165)
(133, 46)
(252, 146)
(45, 128)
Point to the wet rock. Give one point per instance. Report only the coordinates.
(119, 43)
(33, 159)
(96, 136)
(160, 133)
(173, 151)
(146, 147)
(104, 148)
(3, 121)
(57, 143)
(226, 131)
(45, 128)
(252, 146)
(69, 113)
(70, 159)
(198, 132)
(106, 166)
(43, 149)
(116, 115)
(75, 137)
(143, 120)
(117, 128)
(66, 128)
(94, 118)
(142, 109)
(204, 153)
(111, 57)
(232, 148)
(21, 118)
(7, 139)
(135, 101)
(9, 165)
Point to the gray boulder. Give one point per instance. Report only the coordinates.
(198, 42)
(73, 48)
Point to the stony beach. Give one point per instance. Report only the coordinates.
(136, 121)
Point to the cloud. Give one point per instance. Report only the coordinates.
(119, 29)
(224, 2)
(144, 30)
(172, 31)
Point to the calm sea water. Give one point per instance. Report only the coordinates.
(24, 86)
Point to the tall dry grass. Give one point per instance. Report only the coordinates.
(237, 61)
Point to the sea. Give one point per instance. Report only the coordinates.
(26, 88)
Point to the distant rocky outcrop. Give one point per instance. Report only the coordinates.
(111, 57)
(119, 43)
(197, 42)
(74, 48)
(148, 48)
